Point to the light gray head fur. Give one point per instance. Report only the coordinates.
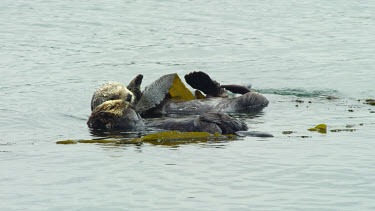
(111, 91)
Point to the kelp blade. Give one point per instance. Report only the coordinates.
(199, 95)
(179, 90)
(175, 138)
(321, 128)
(163, 138)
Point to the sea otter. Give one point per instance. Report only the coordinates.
(119, 115)
(117, 107)
(165, 97)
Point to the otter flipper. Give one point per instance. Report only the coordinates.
(238, 89)
(226, 123)
(207, 122)
(156, 92)
(202, 81)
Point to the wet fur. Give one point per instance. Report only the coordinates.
(118, 114)
(114, 114)
(110, 91)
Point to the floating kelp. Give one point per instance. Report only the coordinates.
(287, 132)
(174, 138)
(342, 130)
(321, 128)
(67, 142)
(136, 141)
(370, 101)
(163, 138)
(199, 95)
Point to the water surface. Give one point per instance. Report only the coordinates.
(54, 54)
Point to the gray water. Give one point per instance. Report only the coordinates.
(54, 54)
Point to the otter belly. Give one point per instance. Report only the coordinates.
(248, 103)
(207, 122)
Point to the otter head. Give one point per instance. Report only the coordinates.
(114, 114)
(112, 91)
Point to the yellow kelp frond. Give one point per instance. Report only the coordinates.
(199, 95)
(163, 138)
(370, 101)
(179, 90)
(174, 138)
(321, 128)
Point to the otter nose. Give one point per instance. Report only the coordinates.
(129, 97)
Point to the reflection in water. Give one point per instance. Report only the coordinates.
(250, 115)
(174, 143)
(117, 134)
(177, 143)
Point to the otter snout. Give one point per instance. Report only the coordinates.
(129, 98)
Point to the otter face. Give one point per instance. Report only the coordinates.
(130, 98)
(114, 114)
(111, 91)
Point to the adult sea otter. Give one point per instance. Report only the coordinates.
(116, 107)
(119, 115)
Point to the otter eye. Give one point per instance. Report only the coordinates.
(129, 97)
